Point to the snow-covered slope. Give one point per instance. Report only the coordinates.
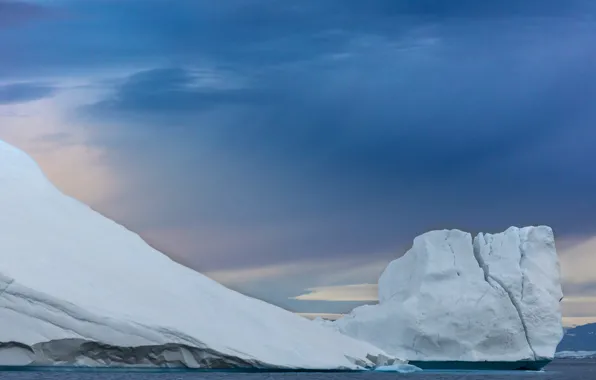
(449, 299)
(77, 288)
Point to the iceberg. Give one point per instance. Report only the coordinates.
(453, 302)
(78, 289)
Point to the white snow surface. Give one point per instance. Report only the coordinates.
(78, 288)
(451, 299)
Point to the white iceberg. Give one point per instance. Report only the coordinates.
(79, 289)
(451, 300)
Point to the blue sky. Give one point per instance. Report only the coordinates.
(282, 146)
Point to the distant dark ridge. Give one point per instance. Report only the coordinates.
(580, 338)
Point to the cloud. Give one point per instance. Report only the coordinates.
(270, 136)
(14, 13)
(60, 147)
(577, 321)
(356, 292)
(579, 307)
(243, 32)
(427, 139)
(174, 96)
(282, 283)
(320, 271)
(246, 275)
(24, 92)
(579, 278)
(580, 300)
(258, 165)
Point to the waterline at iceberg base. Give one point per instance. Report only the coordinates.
(495, 365)
(77, 289)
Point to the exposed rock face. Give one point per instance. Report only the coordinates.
(78, 289)
(451, 299)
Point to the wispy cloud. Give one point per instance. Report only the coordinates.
(60, 147)
(578, 263)
(580, 299)
(577, 321)
(357, 292)
(24, 92)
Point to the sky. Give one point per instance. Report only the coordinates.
(291, 149)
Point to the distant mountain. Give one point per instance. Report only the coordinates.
(580, 338)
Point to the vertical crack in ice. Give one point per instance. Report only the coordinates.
(518, 308)
(522, 256)
(447, 238)
(516, 305)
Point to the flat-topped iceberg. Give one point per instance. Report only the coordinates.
(79, 289)
(451, 300)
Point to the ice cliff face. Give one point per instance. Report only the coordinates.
(453, 299)
(524, 263)
(77, 288)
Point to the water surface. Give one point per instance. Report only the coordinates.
(558, 370)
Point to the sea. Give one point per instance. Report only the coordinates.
(565, 369)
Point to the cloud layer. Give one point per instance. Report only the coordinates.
(355, 292)
(270, 138)
(23, 92)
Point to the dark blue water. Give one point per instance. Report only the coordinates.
(558, 370)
